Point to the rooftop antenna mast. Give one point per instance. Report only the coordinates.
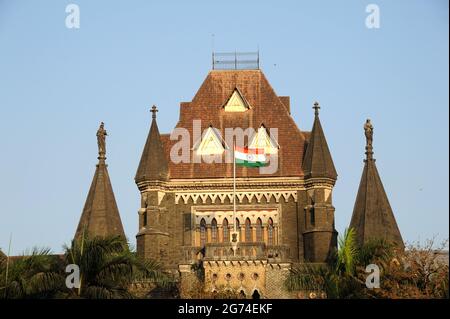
(257, 59)
(235, 60)
(212, 49)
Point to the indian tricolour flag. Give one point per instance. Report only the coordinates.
(250, 157)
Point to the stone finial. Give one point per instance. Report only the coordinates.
(101, 141)
(316, 108)
(154, 110)
(368, 131)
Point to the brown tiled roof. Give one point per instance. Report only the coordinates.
(265, 108)
(307, 136)
(318, 161)
(153, 163)
(372, 214)
(100, 215)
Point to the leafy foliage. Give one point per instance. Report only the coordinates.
(107, 270)
(416, 272)
(34, 275)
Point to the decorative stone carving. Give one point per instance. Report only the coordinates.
(250, 196)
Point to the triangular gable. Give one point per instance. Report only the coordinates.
(261, 139)
(236, 103)
(211, 143)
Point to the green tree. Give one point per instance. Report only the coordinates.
(34, 275)
(108, 268)
(337, 278)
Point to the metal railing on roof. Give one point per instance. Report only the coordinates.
(235, 60)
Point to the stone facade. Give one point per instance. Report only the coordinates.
(186, 212)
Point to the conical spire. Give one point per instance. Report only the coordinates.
(153, 165)
(100, 215)
(317, 161)
(372, 215)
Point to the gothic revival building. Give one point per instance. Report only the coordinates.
(282, 217)
(194, 199)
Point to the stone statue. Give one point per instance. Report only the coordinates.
(368, 128)
(101, 137)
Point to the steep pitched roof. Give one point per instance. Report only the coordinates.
(153, 164)
(266, 107)
(372, 214)
(100, 216)
(317, 161)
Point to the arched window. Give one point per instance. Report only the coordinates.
(226, 231)
(312, 216)
(259, 230)
(248, 230)
(202, 232)
(270, 232)
(214, 230)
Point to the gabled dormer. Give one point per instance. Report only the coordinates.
(236, 102)
(262, 139)
(211, 143)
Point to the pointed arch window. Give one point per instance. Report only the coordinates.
(248, 230)
(145, 219)
(202, 232)
(270, 232)
(214, 230)
(259, 237)
(225, 231)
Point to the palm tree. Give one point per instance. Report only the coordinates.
(347, 256)
(107, 268)
(336, 279)
(34, 275)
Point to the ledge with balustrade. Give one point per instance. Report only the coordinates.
(244, 251)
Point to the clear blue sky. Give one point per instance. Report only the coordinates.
(57, 84)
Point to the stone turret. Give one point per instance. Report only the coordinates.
(153, 236)
(320, 236)
(373, 217)
(100, 216)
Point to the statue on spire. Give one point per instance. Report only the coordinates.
(368, 128)
(101, 139)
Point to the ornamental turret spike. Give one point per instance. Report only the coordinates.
(100, 216)
(373, 217)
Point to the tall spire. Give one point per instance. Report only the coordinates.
(373, 217)
(100, 216)
(153, 164)
(317, 161)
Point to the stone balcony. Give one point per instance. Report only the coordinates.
(244, 251)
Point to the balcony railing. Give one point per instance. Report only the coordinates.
(244, 251)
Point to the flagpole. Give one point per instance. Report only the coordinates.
(234, 188)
